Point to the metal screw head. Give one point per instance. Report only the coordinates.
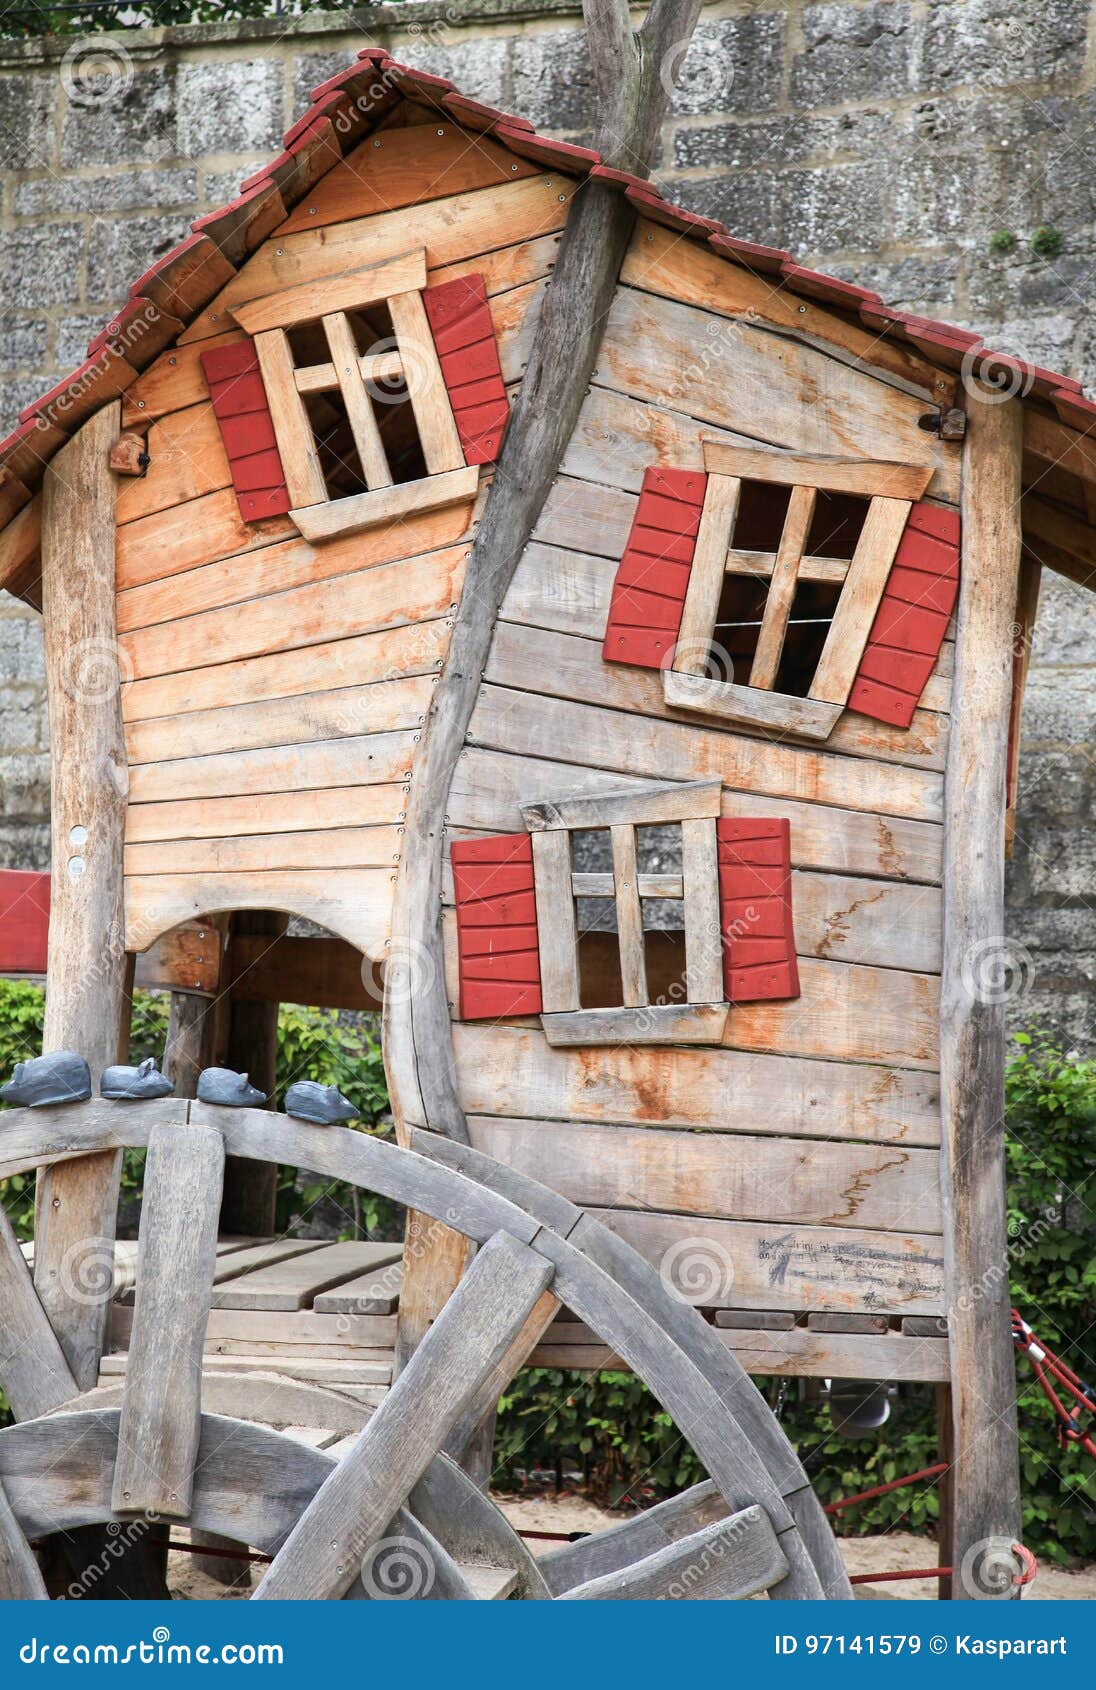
(441, 131)
(802, 309)
(312, 211)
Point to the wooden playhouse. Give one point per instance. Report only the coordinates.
(673, 855)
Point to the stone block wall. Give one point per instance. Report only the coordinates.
(941, 151)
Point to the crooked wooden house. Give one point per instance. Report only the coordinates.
(721, 844)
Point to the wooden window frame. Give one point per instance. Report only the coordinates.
(701, 1017)
(891, 490)
(398, 283)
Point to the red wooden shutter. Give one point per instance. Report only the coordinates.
(912, 618)
(243, 415)
(755, 903)
(496, 926)
(24, 921)
(649, 590)
(464, 336)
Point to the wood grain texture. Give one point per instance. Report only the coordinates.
(333, 713)
(88, 1005)
(34, 1374)
(803, 400)
(452, 229)
(398, 167)
(417, 648)
(332, 848)
(793, 1267)
(297, 445)
(660, 262)
(161, 1410)
(859, 601)
(163, 593)
(20, 1577)
(729, 1561)
(354, 903)
(778, 1179)
(412, 590)
(316, 299)
(778, 603)
(187, 536)
(985, 1476)
(387, 504)
(510, 1071)
(506, 719)
(368, 759)
(481, 1320)
(556, 934)
(491, 787)
(836, 475)
(562, 666)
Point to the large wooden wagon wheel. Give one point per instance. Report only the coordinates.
(396, 1515)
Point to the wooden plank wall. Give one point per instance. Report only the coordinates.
(274, 690)
(803, 1154)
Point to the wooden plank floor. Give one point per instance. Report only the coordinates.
(326, 1313)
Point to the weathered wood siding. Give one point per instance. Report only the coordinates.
(804, 1152)
(274, 690)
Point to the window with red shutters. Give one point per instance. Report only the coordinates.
(680, 916)
(777, 590)
(361, 398)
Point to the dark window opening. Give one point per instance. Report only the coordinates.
(812, 612)
(759, 522)
(387, 395)
(339, 462)
(737, 625)
(836, 524)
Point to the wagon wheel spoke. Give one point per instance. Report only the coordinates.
(20, 1580)
(444, 1381)
(177, 1256)
(732, 1559)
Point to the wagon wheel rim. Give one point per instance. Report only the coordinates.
(535, 1251)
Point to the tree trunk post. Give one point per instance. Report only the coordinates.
(986, 1481)
(248, 1205)
(633, 73)
(87, 1001)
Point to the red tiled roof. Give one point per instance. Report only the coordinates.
(344, 109)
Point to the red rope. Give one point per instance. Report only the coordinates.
(1047, 1366)
(882, 1490)
(1030, 1568)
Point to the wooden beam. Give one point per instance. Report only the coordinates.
(87, 1006)
(162, 1409)
(1060, 539)
(20, 543)
(633, 92)
(972, 1026)
(834, 475)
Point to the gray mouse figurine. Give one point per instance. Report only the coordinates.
(324, 1106)
(59, 1077)
(144, 1081)
(230, 1090)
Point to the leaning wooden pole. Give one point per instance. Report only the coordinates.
(985, 1477)
(633, 86)
(87, 1002)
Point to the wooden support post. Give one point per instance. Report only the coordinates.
(945, 1492)
(972, 1031)
(633, 91)
(87, 997)
(251, 1188)
(189, 1049)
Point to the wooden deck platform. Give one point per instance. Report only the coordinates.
(325, 1313)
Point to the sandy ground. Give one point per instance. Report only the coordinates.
(892, 1552)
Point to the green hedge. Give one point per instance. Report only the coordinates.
(609, 1427)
